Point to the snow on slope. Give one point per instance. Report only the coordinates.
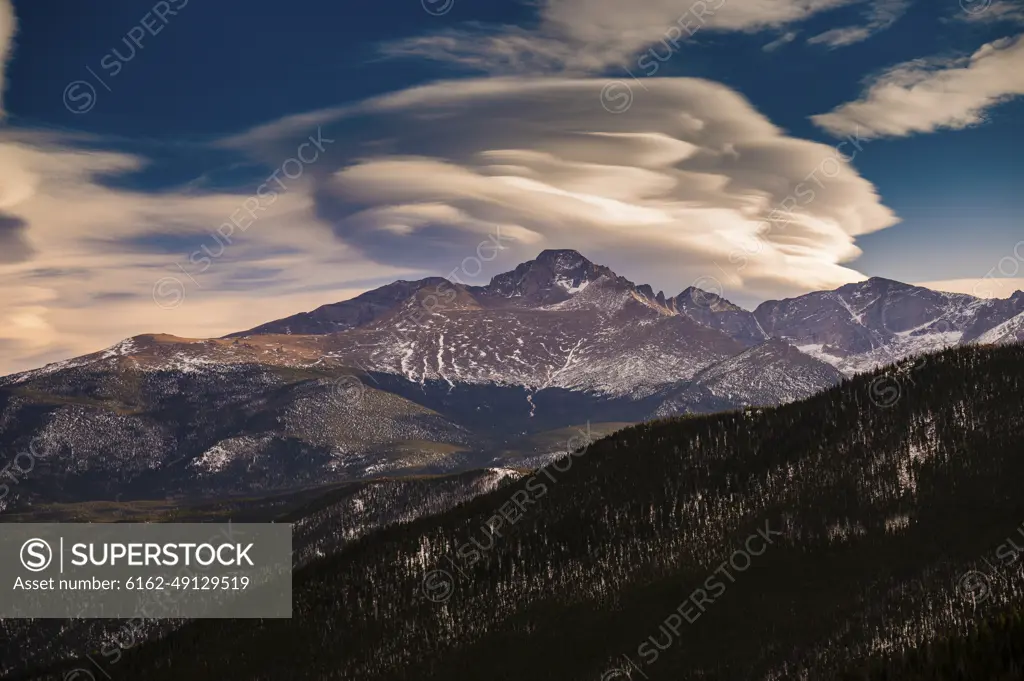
(769, 374)
(1010, 331)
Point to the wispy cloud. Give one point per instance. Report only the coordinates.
(880, 15)
(928, 95)
(991, 12)
(586, 36)
(783, 39)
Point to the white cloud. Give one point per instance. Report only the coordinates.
(583, 36)
(991, 12)
(677, 187)
(881, 15)
(783, 39)
(924, 96)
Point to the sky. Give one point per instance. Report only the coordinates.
(197, 168)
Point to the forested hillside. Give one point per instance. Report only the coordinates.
(813, 540)
(993, 651)
(324, 520)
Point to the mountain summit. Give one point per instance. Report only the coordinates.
(550, 278)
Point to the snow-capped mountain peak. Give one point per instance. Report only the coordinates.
(550, 278)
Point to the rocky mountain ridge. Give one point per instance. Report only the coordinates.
(434, 377)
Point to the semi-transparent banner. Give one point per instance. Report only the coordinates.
(152, 570)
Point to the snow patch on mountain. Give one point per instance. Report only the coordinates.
(768, 374)
(1009, 331)
(47, 370)
(122, 349)
(227, 452)
(569, 286)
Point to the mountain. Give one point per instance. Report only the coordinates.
(558, 321)
(817, 541)
(717, 313)
(349, 314)
(768, 374)
(554, 277)
(859, 327)
(1010, 331)
(855, 328)
(433, 377)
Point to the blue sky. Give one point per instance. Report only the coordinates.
(135, 132)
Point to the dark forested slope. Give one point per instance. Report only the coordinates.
(804, 541)
(992, 651)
